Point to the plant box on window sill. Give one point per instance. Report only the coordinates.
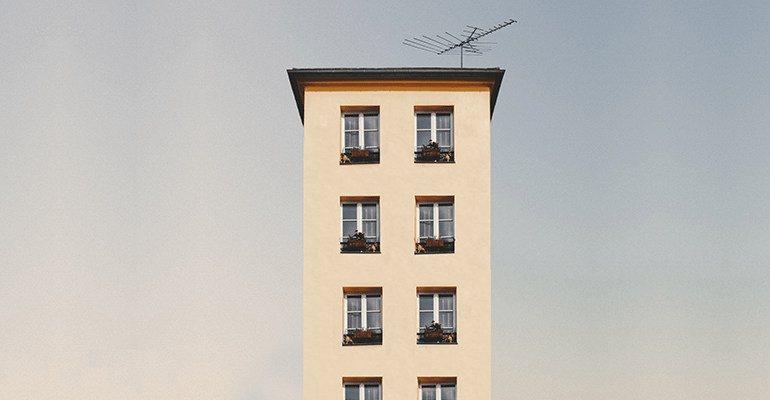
(356, 243)
(358, 153)
(360, 156)
(367, 334)
(435, 246)
(357, 338)
(360, 246)
(436, 337)
(434, 156)
(431, 153)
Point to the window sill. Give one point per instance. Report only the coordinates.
(436, 344)
(360, 162)
(361, 344)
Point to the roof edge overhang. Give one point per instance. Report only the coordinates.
(300, 77)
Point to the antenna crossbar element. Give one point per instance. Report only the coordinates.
(465, 45)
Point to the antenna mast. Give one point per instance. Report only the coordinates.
(468, 44)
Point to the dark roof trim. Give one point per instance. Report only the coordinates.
(300, 75)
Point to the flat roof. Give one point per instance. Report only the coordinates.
(300, 76)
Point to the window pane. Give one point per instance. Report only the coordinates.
(372, 139)
(372, 392)
(354, 303)
(373, 320)
(428, 392)
(348, 228)
(443, 121)
(349, 211)
(371, 122)
(425, 318)
(351, 122)
(372, 303)
(354, 320)
(426, 302)
(444, 139)
(369, 228)
(423, 121)
(445, 302)
(426, 229)
(445, 318)
(445, 211)
(369, 211)
(426, 212)
(351, 139)
(422, 138)
(448, 392)
(446, 229)
(351, 392)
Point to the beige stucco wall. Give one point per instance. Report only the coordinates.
(396, 180)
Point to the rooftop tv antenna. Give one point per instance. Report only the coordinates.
(468, 44)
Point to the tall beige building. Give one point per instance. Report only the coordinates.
(397, 301)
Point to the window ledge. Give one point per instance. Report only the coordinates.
(361, 344)
(437, 344)
(360, 163)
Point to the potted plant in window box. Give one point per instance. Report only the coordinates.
(431, 151)
(355, 242)
(433, 333)
(434, 243)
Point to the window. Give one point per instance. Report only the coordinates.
(363, 316)
(362, 391)
(438, 392)
(360, 225)
(436, 226)
(434, 138)
(361, 137)
(438, 319)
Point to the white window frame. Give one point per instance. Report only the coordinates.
(364, 310)
(359, 218)
(451, 146)
(421, 328)
(438, 389)
(436, 220)
(361, 386)
(361, 130)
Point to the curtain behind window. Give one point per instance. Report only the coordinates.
(351, 392)
(351, 131)
(428, 392)
(372, 392)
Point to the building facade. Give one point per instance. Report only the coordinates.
(396, 281)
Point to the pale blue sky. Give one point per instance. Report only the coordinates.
(150, 194)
